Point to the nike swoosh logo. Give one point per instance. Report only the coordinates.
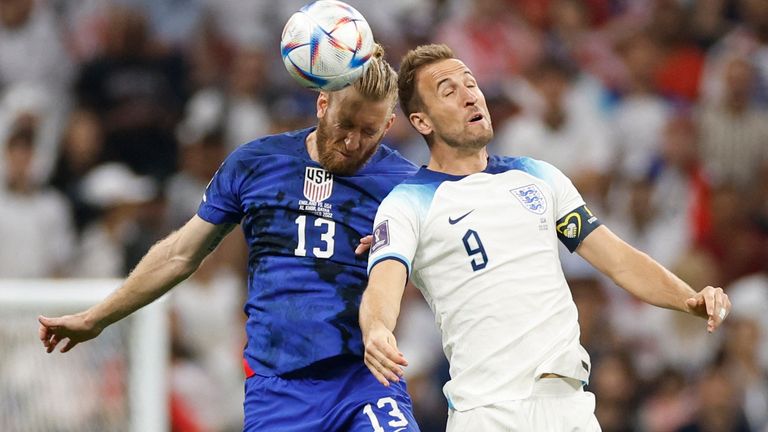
(455, 221)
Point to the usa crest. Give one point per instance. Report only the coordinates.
(318, 184)
(531, 198)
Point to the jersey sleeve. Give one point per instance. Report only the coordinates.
(574, 220)
(567, 197)
(221, 200)
(395, 231)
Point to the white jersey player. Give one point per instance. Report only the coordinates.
(478, 236)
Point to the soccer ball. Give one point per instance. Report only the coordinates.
(326, 45)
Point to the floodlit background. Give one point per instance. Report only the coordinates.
(115, 114)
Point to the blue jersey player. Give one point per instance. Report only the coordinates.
(303, 199)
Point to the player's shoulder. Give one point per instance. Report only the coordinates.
(285, 143)
(534, 167)
(421, 187)
(251, 157)
(389, 161)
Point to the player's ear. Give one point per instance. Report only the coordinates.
(390, 122)
(322, 104)
(421, 122)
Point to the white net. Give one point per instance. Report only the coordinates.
(115, 382)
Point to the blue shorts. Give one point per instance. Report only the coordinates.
(338, 396)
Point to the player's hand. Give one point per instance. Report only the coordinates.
(382, 357)
(76, 328)
(710, 303)
(365, 244)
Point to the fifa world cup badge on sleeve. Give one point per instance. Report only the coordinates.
(380, 236)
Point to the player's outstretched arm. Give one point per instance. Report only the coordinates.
(167, 263)
(649, 281)
(379, 310)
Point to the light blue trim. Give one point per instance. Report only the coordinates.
(418, 196)
(450, 402)
(392, 256)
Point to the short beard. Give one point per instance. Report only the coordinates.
(474, 144)
(331, 161)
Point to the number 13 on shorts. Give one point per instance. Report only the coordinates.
(387, 412)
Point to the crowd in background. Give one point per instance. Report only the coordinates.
(114, 114)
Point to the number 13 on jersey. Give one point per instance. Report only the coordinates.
(328, 230)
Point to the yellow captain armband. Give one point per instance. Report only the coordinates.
(575, 226)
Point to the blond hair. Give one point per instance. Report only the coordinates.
(379, 81)
(415, 59)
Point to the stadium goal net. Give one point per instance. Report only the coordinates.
(116, 382)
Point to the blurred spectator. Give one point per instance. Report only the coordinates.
(718, 405)
(669, 404)
(615, 386)
(82, 147)
(668, 211)
(138, 92)
(118, 193)
(31, 48)
(206, 309)
(734, 241)
(572, 39)
(245, 115)
(709, 21)
(749, 296)
(493, 40)
(246, 22)
(209, 56)
(741, 360)
(200, 158)
(237, 107)
(48, 112)
(173, 22)
(35, 222)
(682, 61)
(641, 113)
(563, 134)
(597, 336)
(735, 130)
(747, 40)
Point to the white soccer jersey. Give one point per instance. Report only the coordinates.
(483, 249)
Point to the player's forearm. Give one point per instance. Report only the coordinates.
(381, 300)
(162, 268)
(634, 271)
(651, 282)
(376, 309)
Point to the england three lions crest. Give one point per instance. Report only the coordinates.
(531, 198)
(318, 184)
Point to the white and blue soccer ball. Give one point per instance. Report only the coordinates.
(326, 45)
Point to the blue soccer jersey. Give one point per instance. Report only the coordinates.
(302, 225)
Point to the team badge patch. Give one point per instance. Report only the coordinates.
(380, 236)
(318, 184)
(531, 198)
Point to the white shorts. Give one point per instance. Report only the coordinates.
(556, 405)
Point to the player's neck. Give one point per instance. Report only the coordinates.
(455, 161)
(311, 143)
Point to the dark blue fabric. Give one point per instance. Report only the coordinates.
(331, 398)
(300, 309)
